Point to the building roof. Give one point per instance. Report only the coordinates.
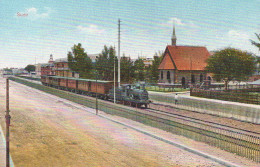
(47, 65)
(61, 60)
(257, 82)
(78, 79)
(184, 58)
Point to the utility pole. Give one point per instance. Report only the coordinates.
(96, 92)
(119, 52)
(7, 120)
(114, 75)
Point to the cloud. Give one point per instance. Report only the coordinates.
(236, 34)
(179, 22)
(33, 13)
(176, 21)
(91, 29)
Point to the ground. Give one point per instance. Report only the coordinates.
(46, 131)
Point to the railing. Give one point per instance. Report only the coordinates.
(231, 95)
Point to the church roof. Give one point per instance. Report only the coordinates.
(184, 58)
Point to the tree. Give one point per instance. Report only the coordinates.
(79, 61)
(231, 64)
(105, 63)
(127, 69)
(30, 68)
(139, 69)
(257, 44)
(157, 58)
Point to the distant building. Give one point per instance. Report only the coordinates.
(17, 71)
(61, 68)
(256, 75)
(147, 61)
(13, 71)
(46, 68)
(93, 57)
(38, 69)
(183, 64)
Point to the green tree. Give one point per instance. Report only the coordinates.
(231, 64)
(79, 61)
(157, 58)
(257, 44)
(139, 69)
(30, 68)
(127, 69)
(105, 63)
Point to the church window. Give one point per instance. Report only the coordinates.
(161, 74)
(201, 78)
(168, 75)
(193, 78)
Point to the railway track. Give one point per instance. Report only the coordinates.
(192, 119)
(240, 141)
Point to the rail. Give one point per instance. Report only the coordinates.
(238, 111)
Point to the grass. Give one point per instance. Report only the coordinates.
(254, 93)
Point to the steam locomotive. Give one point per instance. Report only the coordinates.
(133, 95)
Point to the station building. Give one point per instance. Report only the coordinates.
(61, 67)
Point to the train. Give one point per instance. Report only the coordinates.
(133, 95)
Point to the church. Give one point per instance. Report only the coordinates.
(183, 65)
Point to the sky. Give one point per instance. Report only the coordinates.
(31, 30)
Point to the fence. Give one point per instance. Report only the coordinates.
(235, 142)
(30, 78)
(232, 95)
(164, 87)
(235, 88)
(239, 111)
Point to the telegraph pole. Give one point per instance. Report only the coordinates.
(96, 92)
(119, 52)
(7, 120)
(114, 75)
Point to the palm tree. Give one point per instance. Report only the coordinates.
(257, 44)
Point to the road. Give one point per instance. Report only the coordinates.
(50, 131)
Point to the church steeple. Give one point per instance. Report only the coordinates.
(174, 38)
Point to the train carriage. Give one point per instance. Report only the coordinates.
(101, 87)
(44, 79)
(84, 85)
(72, 83)
(63, 83)
(54, 81)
